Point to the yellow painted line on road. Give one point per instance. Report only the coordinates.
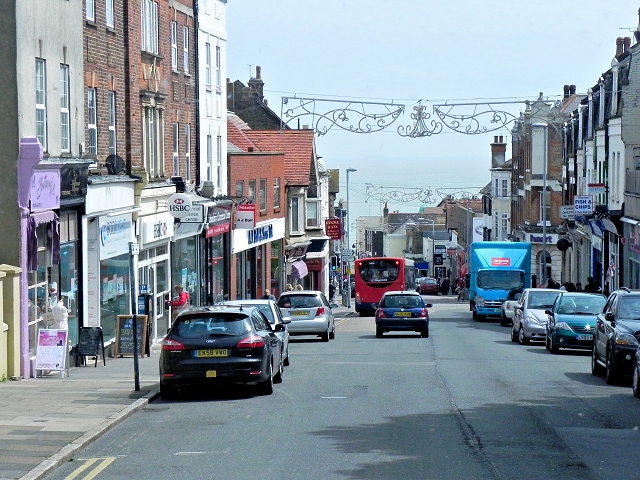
(95, 471)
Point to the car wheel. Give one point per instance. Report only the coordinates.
(166, 392)
(596, 368)
(522, 340)
(514, 334)
(278, 377)
(610, 374)
(266, 387)
(425, 333)
(325, 335)
(286, 359)
(504, 321)
(474, 315)
(553, 348)
(332, 335)
(546, 342)
(378, 333)
(636, 382)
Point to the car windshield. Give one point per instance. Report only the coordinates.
(587, 305)
(542, 300)
(299, 301)
(500, 279)
(223, 324)
(401, 301)
(630, 307)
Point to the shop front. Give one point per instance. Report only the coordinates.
(215, 254)
(257, 253)
(317, 260)
(108, 228)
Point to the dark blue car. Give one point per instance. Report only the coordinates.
(402, 311)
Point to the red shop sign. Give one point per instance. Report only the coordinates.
(333, 228)
(314, 264)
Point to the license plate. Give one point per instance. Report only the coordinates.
(299, 314)
(584, 337)
(402, 314)
(218, 352)
(211, 374)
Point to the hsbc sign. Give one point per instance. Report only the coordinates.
(179, 205)
(500, 262)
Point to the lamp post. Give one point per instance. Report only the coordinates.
(543, 129)
(349, 170)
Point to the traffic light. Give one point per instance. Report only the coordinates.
(335, 262)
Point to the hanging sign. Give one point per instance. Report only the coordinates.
(245, 217)
(179, 205)
(333, 228)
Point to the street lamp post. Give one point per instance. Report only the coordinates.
(545, 139)
(349, 170)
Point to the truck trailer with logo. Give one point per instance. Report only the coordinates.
(496, 268)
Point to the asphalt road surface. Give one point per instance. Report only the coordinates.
(466, 403)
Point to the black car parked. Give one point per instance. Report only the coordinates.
(617, 336)
(221, 344)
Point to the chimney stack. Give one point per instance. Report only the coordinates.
(626, 44)
(257, 84)
(498, 151)
(565, 90)
(619, 46)
(637, 32)
(572, 89)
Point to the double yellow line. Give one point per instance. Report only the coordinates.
(93, 472)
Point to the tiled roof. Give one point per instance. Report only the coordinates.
(237, 134)
(298, 147)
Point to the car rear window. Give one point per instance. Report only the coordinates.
(266, 310)
(299, 301)
(402, 301)
(198, 327)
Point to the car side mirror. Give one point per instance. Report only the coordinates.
(609, 316)
(286, 320)
(429, 305)
(280, 327)
(548, 312)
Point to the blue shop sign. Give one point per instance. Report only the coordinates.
(260, 234)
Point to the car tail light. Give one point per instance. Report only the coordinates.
(423, 313)
(380, 313)
(508, 306)
(252, 341)
(172, 345)
(320, 311)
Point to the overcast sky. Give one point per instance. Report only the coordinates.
(429, 50)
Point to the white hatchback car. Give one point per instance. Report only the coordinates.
(529, 320)
(310, 313)
(507, 310)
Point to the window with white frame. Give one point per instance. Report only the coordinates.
(153, 146)
(149, 16)
(495, 187)
(187, 151)
(176, 158)
(276, 192)
(92, 121)
(252, 192)
(65, 126)
(263, 194)
(207, 64)
(313, 213)
(112, 123)
(504, 191)
(185, 48)
(110, 14)
(296, 220)
(41, 102)
(174, 46)
(219, 161)
(91, 10)
(504, 226)
(209, 157)
(218, 68)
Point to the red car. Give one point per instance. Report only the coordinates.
(429, 286)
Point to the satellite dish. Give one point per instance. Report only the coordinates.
(115, 165)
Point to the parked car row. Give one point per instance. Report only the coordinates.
(240, 341)
(609, 327)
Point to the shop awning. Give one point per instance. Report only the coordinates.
(299, 269)
(609, 225)
(319, 248)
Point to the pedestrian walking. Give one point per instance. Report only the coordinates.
(332, 291)
(460, 289)
(267, 295)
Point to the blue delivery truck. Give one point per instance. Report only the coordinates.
(495, 268)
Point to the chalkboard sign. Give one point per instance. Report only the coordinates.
(90, 343)
(124, 335)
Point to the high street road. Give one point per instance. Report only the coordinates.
(466, 403)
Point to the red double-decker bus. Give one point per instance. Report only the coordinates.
(377, 275)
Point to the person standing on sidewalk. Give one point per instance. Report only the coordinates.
(181, 302)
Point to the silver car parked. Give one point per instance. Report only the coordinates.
(530, 319)
(310, 313)
(273, 313)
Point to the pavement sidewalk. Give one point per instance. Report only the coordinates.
(45, 421)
